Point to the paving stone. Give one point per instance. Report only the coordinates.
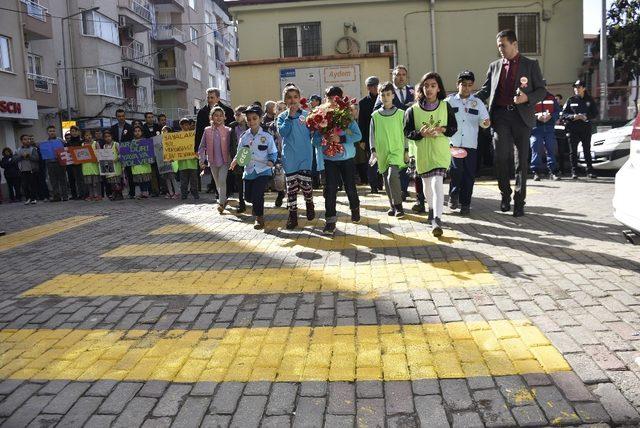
(157, 423)
(101, 388)
(217, 421)
(100, 421)
(604, 358)
(342, 398)
(554, 406)
(572, 387)
(44, 421)
(153, 388)
(370, 412)
(370, 389)
(586, 369)
(257, 388)
(249, 411)
(135, 412)
(616, 405)
(226, 398)
(282, 398)
(493, 408)
(171, 400)
(398, 397)
(53, 387)
(529, 416)
(309, 412)
(430, 411)
(119, 398)
(592, 413)
(192, 412)
(272, 421)
(480, 382)
(629, 384)
(456, 394)
(28, 411)
(204, 388)
(7, 386)
(339, 421)
(82, 410)
(515, 390)
(17, 397)
(313, 389)
(66, 398)
(402, 421)
(467, 420)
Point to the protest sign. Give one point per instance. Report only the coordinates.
(136, 152)
(83, 154)
(106, 161)
(178, 145)
(63, 156)
(163, 167)
(48, 148)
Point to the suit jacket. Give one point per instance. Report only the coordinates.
(534, 87)
(202, 120)
(409, 99)
(127, 135)
(150, 133)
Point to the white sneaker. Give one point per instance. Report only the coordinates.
(27, 202)
(34, 201)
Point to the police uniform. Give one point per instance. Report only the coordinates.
(544, 136)
(579, 131)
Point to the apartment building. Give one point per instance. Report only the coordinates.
(81, 60)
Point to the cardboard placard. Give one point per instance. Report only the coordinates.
(178, 145)
(137, 152)
(83, 154)
(106, 161)
(48, 148)
(64, 156)
(163, 167)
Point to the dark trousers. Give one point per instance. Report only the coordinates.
(58, 180)
(13, 183)
(129, 176)
(463, 176)
(76, 182)
(419, 190)
(43, 188)
(580, 133)
(511, 131)
(404, 181)
(189, 181)
(254, 193)
(29, 181)
(374, 179)
(157, 184)
(362, 169)
(334, 170)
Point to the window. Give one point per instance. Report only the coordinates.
(5, 54)
(192, 4)
(196, 71)
(141, 96)
(384, 47)
(300, 40)
(100, 82)
(210, 50)
(97, 25)
(527, 28)
(212, 81)
(208, 19)
(35, 64)
(194, 36)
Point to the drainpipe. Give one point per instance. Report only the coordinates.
(434, 56)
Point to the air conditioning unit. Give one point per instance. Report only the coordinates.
(122, 21)
(125, 73)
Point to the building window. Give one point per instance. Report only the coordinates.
(208, 19)
(210, 50)
(100, 82)
(141, 96)
(212, 81)
(300, 40)
(35, 64)
(196, 71)
(192, 4)
(194, 36)
(527, 28)
(97, 25)
(5, 54)
(384, 47)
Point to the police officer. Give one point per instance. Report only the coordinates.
(578, 112)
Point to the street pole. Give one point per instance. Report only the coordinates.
(604, 66)
(64, 57)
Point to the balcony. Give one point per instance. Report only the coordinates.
(37, 21)
(170, 6)
(171, 78)
(139, 63)
(44, 90)
(136, 14)
(168, 35)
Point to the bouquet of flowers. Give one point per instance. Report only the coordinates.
(330, 120)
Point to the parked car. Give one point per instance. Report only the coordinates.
(626, 199)
(609, 149)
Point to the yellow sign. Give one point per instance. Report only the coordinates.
(178, 145)
(67, 124)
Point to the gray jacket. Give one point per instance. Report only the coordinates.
(529, 69)
(26, 164)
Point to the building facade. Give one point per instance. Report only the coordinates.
(443, 35)
(81, 60)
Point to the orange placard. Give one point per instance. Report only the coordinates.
(84, 154)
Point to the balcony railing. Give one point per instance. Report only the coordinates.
(141, 8)
(135, 55)
(171, 73)
(168, 32)
(42, 83)
(36, 11)
(218, 36)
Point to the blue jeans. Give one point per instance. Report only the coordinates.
(543, 139)
(463, 176)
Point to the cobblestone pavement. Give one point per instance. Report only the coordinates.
(155, 313)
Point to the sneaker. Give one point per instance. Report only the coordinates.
(259, 224)
(453, 202)
(536, 177)
(430, 216)
(27, 202)
(418, 207)
(399, 211)
(505, 204)
(292, 221)
(574, 176)
(279, 199)
(241, 208)
(329, 229)
(311, 211)
(554, 177)
(436, 227)
(465, 210)
(33, 202)
(592, 176)
(391, 212)
(355, 215)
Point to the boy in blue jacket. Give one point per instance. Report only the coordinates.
(340, 165)
(297, 154)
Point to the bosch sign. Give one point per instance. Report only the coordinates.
(11, 107)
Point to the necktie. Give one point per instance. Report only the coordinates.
(402, 97)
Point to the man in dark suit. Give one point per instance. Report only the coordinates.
(122, 131)
(513, 87)
(365, 110)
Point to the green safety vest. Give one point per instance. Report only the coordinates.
(91, 168)
(430, 152)
(389, 139)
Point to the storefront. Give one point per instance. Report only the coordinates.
(15, 115)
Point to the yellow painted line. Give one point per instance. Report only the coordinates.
(27, 236)
(371, 281)
(245, 244)
(281, 354)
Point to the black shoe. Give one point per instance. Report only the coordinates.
(399, 211)
(292, 221)
(405, 195)
(436, 227)
(453, 202)
(355, 215)
(555, 177)
(183, 197)
(391, 212)
(329, 229)
(311, 211)
(279, 199)
(574, 176)
(241, 208)
(418, 207)
(465, 210)
(505, 205)
(591, 175)
(430, 216)
(518, 211)
(536, 177)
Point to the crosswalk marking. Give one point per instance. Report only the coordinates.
(370, 281)
(27, 236)
(281, 354)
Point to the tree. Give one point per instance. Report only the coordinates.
(623, 40)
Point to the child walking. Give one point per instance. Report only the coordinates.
(26, 157)
(297, 154)
(387, 142)
(173, 191)
(257, 172)
(113, 180)
(215, 151)
(141, 173)
(91, 171)
(428, 123)
(188, 169)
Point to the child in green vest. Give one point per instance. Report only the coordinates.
(188, 169)
(113, 180)
(91, 171)
(141, 173)
(429, 123)
(388, 149)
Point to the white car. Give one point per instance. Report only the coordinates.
(626, 200)
(609, 149)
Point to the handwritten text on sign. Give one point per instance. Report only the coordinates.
(178, 145)
(136, 152)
